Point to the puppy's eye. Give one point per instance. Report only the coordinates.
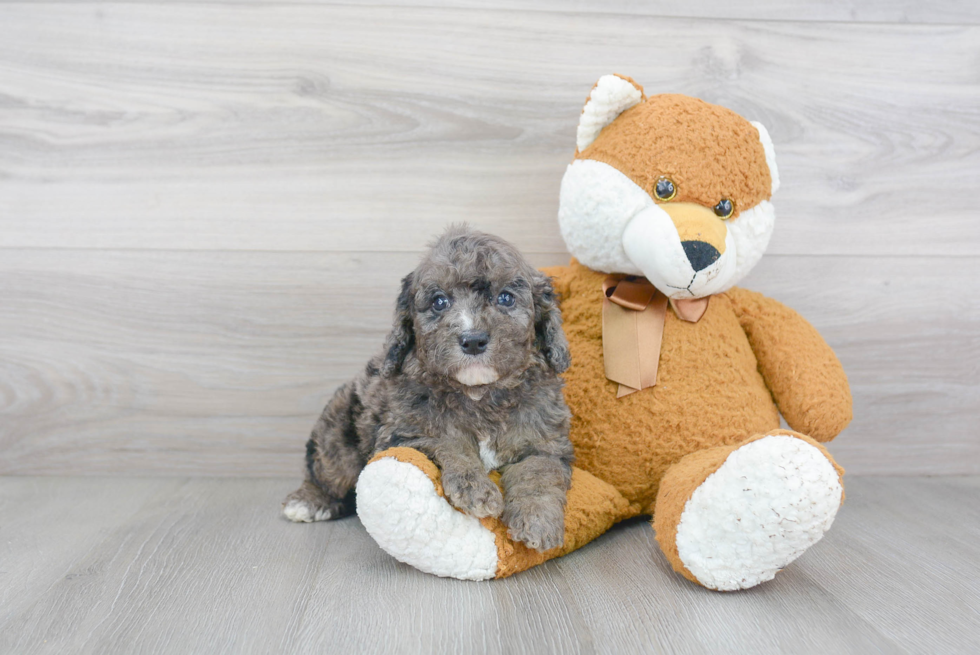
(664, 189)
(506, 299)
(440, 302)
(724, 209)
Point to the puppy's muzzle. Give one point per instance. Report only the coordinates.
(474, 342)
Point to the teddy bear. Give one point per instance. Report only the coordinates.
(678, 377)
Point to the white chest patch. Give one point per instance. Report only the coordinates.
(489, 457)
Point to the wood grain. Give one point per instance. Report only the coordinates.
(183, 363)
(334, 127)
(889, 11)
(205, 207)
(164, 566)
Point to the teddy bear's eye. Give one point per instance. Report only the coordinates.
(664, 189)
(725, 208)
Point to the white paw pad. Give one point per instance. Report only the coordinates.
(399, 507)
(301, 512)
(770, 501)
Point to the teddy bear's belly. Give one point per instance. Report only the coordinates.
(708, 393)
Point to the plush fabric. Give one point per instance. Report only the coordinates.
(709, 391)
(703, 148)
(401, 504)
(803, 373)
(769, 502)
(417, 459)
(683, 480)
(593, 507)
(609, 97)
(734, 497)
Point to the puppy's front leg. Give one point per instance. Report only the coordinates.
(465, 480)
(536, 488)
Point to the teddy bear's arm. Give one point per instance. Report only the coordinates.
(802, 372)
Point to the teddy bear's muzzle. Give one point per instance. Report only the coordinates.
(682, 248)
(699, 227)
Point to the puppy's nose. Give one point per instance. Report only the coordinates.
(473, 342)
(700, 254)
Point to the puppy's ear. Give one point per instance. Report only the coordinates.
(402, 337)
(549, 337)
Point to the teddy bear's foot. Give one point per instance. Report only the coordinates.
(402, 505)
(732, 517)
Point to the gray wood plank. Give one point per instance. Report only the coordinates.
(670, 615)
(891, 11)
(49, 526)
(208, 566)
(187, 363)
(325, 127)
(847, 11)
(164, 576)
(886, 548)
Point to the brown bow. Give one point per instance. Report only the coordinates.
(633, 314)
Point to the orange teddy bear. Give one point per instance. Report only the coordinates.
(678, 377)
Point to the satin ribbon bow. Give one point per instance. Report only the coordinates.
(633, 314)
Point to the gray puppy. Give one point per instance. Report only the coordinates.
(469, 377)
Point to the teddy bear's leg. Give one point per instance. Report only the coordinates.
(401, 504)
(731, 517)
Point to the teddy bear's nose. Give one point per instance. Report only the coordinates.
(700, 254)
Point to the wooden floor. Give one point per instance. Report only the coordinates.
(103, 565)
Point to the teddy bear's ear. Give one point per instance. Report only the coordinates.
(611, 96)
(770, 154)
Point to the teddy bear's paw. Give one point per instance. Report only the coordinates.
(399, 506)
(771, 500)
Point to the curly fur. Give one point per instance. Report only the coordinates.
(469, 412)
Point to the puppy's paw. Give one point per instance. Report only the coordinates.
(307, 504)
(301, 511)
(474, 493)
(538, 525)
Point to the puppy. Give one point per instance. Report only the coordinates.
(469, 377)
